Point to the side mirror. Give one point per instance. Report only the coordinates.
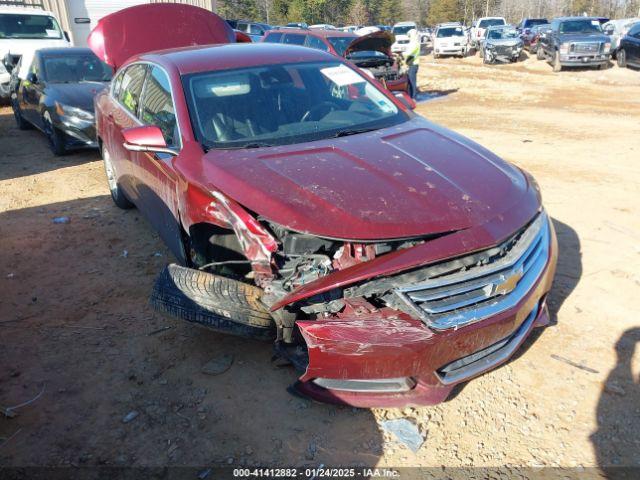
(406, 100)
(148, 138)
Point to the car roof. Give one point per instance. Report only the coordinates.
(563, 19)
(228, 56)
(19, 10)
(316, 32)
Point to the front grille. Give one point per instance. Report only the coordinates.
(472, 288)
(503, 50)
(588, 48)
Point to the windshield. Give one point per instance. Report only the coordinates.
(502, 34)
(450, 32)
(535, 21)
(541, 28)
(29, 26)
(285, 104)
(580, 26)
(340, 44)
(490, 22)
(402, 30)
(66, 68)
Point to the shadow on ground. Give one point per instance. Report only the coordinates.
(616, 442)
(75, 322)
(17, 161)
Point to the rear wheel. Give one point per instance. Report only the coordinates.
(557, 66)
(622, 58)
(17, 113)
(117, 194)
(54, 136)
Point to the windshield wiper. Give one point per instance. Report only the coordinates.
(354, 131)
(208, 147)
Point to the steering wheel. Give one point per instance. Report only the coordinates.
(330, 106)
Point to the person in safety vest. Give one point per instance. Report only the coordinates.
(412, 59)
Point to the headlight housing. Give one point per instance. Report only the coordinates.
(607, 47)
(564, 48)
(73, 112)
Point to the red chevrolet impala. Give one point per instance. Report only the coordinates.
(388, 258)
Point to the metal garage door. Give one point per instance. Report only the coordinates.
(84, 15)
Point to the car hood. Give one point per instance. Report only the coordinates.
(410, 180)
(504, 42)
(376, 42)
(401, 37)
(26, 48)
(156, 26)
(78, 95)
(583, 37)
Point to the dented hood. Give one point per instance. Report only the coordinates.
(410, 180)
(157, 26)
(376, 41)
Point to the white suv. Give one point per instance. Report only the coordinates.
(22, 32)
(449, 39)
(480, 26)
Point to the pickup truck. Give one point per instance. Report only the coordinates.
(575, 42)
(22, 32)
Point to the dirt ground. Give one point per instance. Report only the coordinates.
(75, 323)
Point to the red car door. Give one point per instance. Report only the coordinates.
(155, 174)
(123, 113)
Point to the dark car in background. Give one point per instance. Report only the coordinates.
(370, 52)
(531, 37)
(575, 42)
(527, 24)
(629, 48)
(57, 96)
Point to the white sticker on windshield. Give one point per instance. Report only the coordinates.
(342, 75)
(595, 23)
(52, 33)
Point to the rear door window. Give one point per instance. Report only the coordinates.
(273, 37)
(317, 43)
(131, 87)
(157, 106)
(294, 39)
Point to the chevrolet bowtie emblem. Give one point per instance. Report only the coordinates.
(509, 283)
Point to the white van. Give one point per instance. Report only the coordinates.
(22, 32)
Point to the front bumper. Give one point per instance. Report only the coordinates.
(455, 50)
(577, 59)
(79, 134)
(392, 345)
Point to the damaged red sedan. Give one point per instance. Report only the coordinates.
(388, 258)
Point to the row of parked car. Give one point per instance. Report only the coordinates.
(563, 42)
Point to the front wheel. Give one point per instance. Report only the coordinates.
(54, 136)
(557, 66)
(540, 53)
(117, 194)
(622, 58)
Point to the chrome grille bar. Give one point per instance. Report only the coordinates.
(473, 294)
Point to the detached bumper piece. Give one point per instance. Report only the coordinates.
(215, 302)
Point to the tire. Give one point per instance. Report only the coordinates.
(540, 53)
(20, 121)
(117, 194)
(54, 136)
(622, 58)
(557, 67)
(218, 303)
